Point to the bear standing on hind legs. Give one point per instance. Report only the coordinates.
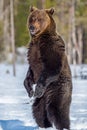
(49, 70)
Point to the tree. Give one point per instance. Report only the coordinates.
(21, 15)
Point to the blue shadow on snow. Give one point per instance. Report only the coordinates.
(14, 125)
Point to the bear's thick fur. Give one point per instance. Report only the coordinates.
(49, 70)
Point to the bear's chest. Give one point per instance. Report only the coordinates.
(34, 54)
(35, 61)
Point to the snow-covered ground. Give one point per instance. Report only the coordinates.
(15, 106)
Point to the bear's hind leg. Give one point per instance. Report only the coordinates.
(40, 114)
(55, 116)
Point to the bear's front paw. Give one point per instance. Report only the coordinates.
(31, 93)
(28, 87)
(39, 91)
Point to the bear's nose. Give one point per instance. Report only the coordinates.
(32, 27)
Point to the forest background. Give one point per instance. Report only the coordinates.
(71, 22)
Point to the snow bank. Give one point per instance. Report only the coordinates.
(15, 105)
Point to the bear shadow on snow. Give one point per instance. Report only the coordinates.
(49, 70)
(14, 125)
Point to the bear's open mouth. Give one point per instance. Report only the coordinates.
(34, 32)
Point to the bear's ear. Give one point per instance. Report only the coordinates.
(50, 11)
(32, 9)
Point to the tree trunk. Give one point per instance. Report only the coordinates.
(70, 46)
(12, 35)
(73, 31)
(80, 43)
(6, 36)
(1, 9)
(74, 40)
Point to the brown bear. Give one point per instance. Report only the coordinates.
(49, 70)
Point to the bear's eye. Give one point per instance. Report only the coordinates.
(40, 20)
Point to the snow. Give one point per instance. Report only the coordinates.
(15, 105)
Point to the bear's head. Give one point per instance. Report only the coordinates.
(41, 21)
